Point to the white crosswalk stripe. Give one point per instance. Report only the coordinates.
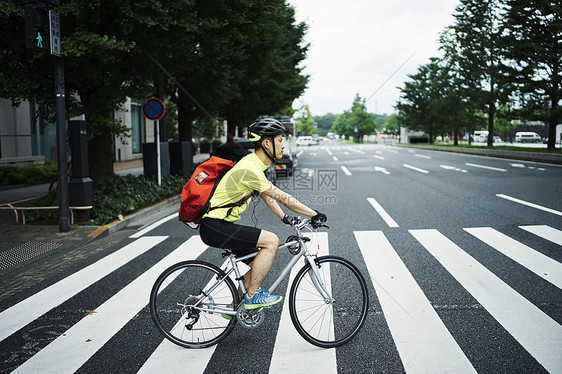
(546, 232)
(290, 349)
(68, 352)
(195, 359)
(538, 263)
(414, 324)
(421, 338)
(31, 308)
(539, 334)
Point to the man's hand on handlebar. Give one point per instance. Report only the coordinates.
(318, 220)
(290, 220)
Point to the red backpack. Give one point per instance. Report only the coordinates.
(197, 192)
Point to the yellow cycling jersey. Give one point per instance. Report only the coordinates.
(242, 180)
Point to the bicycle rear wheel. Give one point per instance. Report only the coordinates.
(179, 294)
(329, 323)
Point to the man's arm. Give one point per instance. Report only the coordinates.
(273, 195)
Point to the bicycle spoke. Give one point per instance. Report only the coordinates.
(334, 323)
(187, 291)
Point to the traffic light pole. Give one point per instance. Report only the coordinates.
(64, 222)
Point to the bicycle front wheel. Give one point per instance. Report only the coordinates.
(186, 303)
(329, 322)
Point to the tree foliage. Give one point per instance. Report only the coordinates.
(501, 60)
(229, 59)
(532, 35)
(356, 122)
(305, 123)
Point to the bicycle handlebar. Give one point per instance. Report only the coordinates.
(302, 222)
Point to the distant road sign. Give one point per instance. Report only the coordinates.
(153, 109)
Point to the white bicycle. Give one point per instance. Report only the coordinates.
(196, 304)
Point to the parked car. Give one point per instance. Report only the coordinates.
(235, 149)
(497, 139)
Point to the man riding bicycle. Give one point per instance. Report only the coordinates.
(245, 179)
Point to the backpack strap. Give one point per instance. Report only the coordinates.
(207, 207)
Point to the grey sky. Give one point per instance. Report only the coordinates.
(356, 45)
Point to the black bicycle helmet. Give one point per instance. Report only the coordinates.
(267, 127)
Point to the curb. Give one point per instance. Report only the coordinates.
(117, 225)
(547, 158)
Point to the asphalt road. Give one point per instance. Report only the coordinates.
(462, 256)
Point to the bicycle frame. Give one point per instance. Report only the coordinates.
(316, 279)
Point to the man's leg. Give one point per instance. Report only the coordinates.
(268, 242)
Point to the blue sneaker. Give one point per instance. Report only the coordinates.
(261, 299)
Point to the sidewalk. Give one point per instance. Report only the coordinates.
(25, 245)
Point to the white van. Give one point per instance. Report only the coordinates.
(481, 136)
(527, 137)
(305, 140)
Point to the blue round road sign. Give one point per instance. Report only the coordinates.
(153, 109)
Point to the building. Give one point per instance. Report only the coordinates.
(25, 139)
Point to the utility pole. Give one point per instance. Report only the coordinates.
(60, 105)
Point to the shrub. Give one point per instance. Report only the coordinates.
(32, 174)
(117, 196)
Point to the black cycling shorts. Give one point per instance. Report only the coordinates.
(240, 239)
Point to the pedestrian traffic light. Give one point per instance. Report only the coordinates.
(37, 28)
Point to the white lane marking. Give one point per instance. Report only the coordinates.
(422, 156)
(542, 265)
(382, 170)
(300, 153)
(291, 350)
(416, 329)
(357, 151)
(454, 168)
(379, 157)
(545, 232)
(345, 170)
(73, 348)
(529, 204)
(384, 215)
(415, 168)
(485, 167)
(539, 334)
(140, 233)
(521, 166)
(329, 152)
(335, 158)
(24, 312)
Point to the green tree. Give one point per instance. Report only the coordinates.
(355, 122)
(214, 59)
(103, 65)
(269, 75)
(533, 30)
(392, 124)
(422, 103)
(325, 123)
(477, 33)
(305, 124)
